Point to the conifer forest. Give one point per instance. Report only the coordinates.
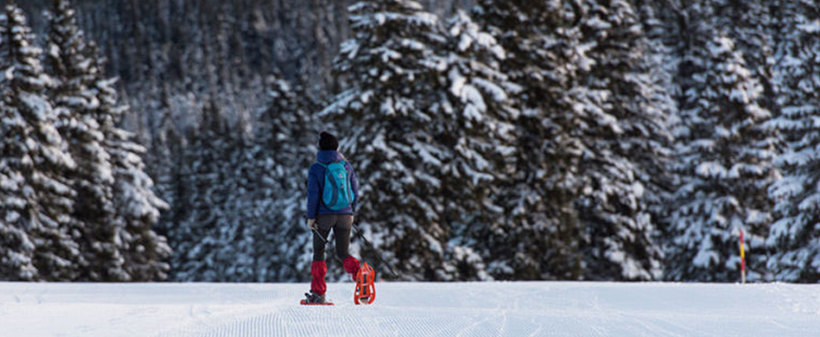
(610, 140)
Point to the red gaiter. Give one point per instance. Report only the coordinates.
(351, 265)
(318, 269)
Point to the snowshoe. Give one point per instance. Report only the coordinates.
(312, 298)
(365, 288)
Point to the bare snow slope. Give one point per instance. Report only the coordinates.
(411, 309)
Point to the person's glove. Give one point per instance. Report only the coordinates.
(312, 224)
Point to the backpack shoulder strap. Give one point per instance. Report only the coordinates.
(342, 162)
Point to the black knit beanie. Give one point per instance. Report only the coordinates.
(328, 142)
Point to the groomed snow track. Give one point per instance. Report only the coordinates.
(411, 309)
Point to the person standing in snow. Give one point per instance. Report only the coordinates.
(332, 196)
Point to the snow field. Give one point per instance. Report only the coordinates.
(411, 309)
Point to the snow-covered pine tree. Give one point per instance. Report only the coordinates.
(196, 239)
(661, 64)
(16, 247)
(388, 124)
(159, 159)
(725, 160)
(236, 255)
(145, 254)
(175, 222)
(626, 144)
(165, 162)
(37, 195)
(749, 23)
(93, 180)
(478, 126)
(541, 237)
(285, 140)
(285, 136)
(795, 234)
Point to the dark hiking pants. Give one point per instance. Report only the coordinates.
(341, 225)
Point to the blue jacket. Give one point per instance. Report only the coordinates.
(316, 180)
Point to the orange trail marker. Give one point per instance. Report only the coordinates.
(742, 259)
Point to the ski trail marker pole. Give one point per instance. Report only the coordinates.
(742, 259)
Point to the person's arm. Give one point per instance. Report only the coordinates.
(354, 184)
(313, 192)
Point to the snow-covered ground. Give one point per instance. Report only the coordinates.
(411, 309)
